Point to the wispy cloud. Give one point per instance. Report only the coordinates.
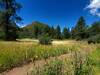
(94, 7)
(21, 25)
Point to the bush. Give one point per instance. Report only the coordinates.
(45, 40)
(91, 40)
(94, 39)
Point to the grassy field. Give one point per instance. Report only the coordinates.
(95, 59)
(13, 54)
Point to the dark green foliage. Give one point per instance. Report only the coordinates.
(12, 34)
(94, 29)
(46, 30)
(72, 33)
(52, 32)
(97, 38)
(94, 39)
(9, 17)
(58, 33)
(10, 31)
(25, 33)
(79, 31)
(41, 29)
(35, 30)
(1, 34)
(45, 39)
(66, 33)
(94, 33)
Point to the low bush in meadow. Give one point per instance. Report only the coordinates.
(45, 40)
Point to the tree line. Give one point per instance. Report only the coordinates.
(10, 31)
(80, 31)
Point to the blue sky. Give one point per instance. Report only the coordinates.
(57, 12)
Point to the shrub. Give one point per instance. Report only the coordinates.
(45, 40)
(91, 40)
(94, 39)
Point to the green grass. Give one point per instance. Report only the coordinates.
(95, 59)
(65, 66)
(14, 54)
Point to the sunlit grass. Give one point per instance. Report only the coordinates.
(14, 54)
(95, 59)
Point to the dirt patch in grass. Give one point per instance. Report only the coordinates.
(25, 69)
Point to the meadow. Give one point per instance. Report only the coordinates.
(16, 54)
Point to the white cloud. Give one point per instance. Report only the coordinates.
(94, 7)
(21, 25)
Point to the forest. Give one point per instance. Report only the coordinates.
(9, 30)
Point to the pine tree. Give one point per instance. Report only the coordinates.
(9, 18)
(79, 31)
(58, 33)
(66, 33)
(52, 32)
(94, 29)
(46, 30)
(36, 31)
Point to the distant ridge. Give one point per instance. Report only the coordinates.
(28, 30)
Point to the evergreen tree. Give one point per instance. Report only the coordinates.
(66, 33)
(52, 32)
(73, 33)
(94, 29)
(39, 29)
(9, 18)
(58, 33)
(46, 30)
(36, 31)
(79, 31)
